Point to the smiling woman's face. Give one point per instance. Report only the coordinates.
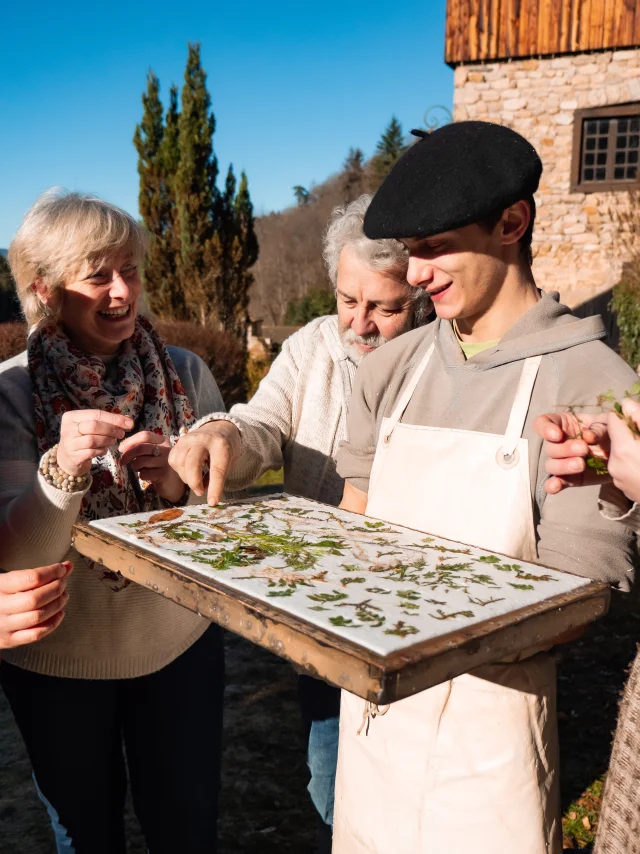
(98, 309)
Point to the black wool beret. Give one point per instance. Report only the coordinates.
(453, 177)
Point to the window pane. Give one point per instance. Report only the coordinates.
(595, 162)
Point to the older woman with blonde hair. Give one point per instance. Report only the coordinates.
(87, 414)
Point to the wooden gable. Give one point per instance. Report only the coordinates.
(485, 30)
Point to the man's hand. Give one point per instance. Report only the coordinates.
(218, 445)
(569, 439)
(32, 603)
(624, 459)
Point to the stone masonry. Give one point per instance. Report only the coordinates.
(573, 247)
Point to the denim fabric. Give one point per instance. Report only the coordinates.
(322, 758)
(64, 844)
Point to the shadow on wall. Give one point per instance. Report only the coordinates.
(601, 305)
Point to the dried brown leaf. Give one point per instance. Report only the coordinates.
(166, 515)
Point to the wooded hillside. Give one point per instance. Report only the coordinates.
(290, 263)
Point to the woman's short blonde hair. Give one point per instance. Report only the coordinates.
(63, 235)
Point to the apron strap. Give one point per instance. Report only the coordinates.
(520, 405)
(407, 394)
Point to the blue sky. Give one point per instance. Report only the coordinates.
(293, 86)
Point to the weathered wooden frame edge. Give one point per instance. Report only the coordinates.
(346, 664)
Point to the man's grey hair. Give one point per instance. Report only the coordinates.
(384, 256)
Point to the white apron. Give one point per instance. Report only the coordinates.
(469, 766)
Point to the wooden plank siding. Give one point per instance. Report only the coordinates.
(485, 30)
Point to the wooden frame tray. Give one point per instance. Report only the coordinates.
(368, 606)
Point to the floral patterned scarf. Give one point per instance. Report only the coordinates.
(145, 386)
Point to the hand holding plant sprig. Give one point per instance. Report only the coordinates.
(584, 448)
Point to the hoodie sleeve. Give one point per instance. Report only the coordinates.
(575, 537)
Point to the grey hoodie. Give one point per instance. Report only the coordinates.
(478, 394)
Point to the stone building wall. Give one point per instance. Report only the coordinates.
(573, 239)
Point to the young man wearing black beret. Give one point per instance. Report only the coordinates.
(441, 440)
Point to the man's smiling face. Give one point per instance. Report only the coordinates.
(373, 307)
(462, 270)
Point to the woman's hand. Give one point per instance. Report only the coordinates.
(32, 603)
(624, 459)
(88, 433)
(148, 454)
(569, 439)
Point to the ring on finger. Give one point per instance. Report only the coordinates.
(156, 451)
(80, 433)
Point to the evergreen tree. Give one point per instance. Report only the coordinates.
(389, 149)
(196, 195)
(303, 197)
(170, 160)
(353, 175)
(6, 279)
(245, 255)
(155, 202)
(9, 304)
(203, 241)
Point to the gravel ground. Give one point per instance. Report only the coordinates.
(265, 807)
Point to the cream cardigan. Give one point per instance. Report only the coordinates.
(298, 416)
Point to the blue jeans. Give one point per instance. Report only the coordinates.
(320, 706)
(322, 758)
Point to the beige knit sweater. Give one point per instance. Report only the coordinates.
(298, 416)
(104, 635)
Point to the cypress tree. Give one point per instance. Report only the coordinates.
(196, 195)
(245, 255)
(226, 247)
(155, 202)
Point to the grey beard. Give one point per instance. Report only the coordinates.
(350, 341)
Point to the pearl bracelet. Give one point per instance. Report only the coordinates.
(57, 477)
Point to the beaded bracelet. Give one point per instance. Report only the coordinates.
(57, 477)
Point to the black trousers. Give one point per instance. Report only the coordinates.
(169, 726)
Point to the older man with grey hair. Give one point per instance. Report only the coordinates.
(297, 419)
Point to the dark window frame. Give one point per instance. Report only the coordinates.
(613, 111)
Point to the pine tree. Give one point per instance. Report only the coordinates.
(353, 176)
(156, 206)
(303, 196)
(196, 195)
(389, 149)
